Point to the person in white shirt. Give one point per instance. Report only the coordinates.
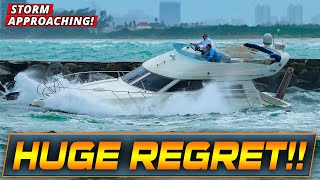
(202, 45)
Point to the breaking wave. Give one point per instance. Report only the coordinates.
(209, 100)
(26, 83)
(74, 101)
(112, 50)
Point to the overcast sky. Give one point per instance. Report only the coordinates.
(193, 10)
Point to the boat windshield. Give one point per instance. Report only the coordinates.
(180, 49)
(134, 75)
(153, 82)
(188, 85)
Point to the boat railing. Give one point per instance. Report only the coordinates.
(133, 95)
(54, 84)
(89, 76)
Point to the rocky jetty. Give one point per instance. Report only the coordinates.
(306, 74)
(45, 69)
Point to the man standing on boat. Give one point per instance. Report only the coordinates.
(202, 45)
(212, 55)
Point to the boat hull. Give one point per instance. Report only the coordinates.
(237, 95)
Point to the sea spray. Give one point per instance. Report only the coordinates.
(208, 100)
(26, 83)
(30, 84)
(74, 101)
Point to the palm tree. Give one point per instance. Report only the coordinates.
(110, 18)
(134, 24)
(103, 14)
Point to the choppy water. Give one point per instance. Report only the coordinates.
(125, 50)
(207, 115)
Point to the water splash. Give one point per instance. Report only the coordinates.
(26, 84)
(208, 100)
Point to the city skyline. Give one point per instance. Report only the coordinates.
(170, 13)
(294, 15)
(191, 11)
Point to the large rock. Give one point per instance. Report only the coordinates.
(6, 74)
(118, 67)
(297, 66)
(313, 63)
(304, 84)
(99, 67)
(5, 70)
(12, 96)
(17, 66)
(56, 68)
(85, 67)
(309, 75)
(72, 67)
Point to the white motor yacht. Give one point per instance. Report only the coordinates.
(185, 70)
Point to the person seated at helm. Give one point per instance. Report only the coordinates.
(202, 45)
(212, 55)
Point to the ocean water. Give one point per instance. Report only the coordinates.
(126, 50)
(208, 114)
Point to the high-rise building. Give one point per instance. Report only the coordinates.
(295, 14)
(170, 13)
(136, 15)
(4, 9)
(315, 19)
(262, 14)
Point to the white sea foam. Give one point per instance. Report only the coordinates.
(26, 84)
(208, 100)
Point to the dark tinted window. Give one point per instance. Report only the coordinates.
(191, 85)
(135, 74)
(153, 82)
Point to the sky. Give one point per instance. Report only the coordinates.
(193, 10)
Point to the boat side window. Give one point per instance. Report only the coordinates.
(189, 85)
(134, 75)
(153, 82)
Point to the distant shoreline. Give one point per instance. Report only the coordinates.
(218, 32)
